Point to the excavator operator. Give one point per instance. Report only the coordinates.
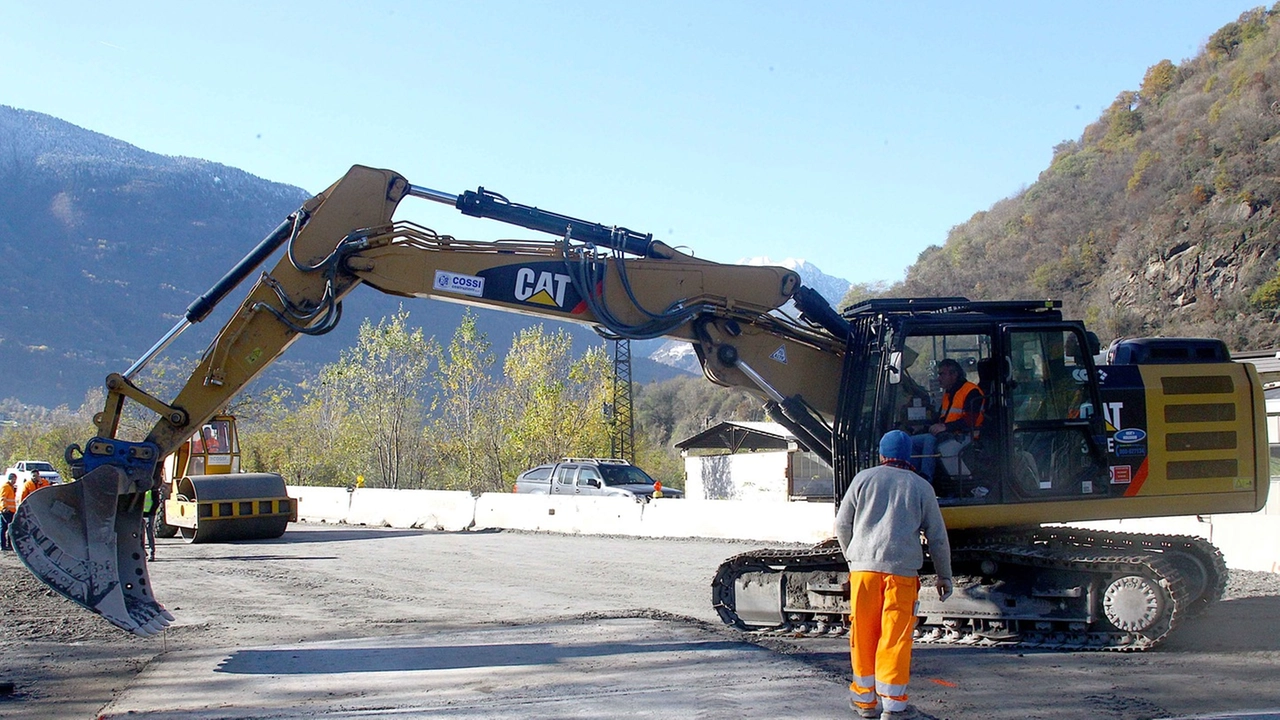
(958, 420)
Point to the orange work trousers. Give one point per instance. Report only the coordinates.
(883, 620)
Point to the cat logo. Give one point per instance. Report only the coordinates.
(543, 288)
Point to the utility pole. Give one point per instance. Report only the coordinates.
(622, 437)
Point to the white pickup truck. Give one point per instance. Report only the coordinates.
(24, 468)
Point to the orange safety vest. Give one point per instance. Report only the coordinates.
(34, 483)
(10, 496)
(953, 404)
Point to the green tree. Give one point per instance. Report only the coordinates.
(36, 433)
(1160, 79)
(1123, 121)
(378, 388)
(555, 401)
(1224, 41)
(465, 428)
(1267, 296)
(309, 442)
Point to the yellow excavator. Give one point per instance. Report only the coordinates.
(1167, 427)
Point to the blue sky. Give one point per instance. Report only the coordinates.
(850, 134)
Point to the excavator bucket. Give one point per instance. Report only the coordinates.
(84, 540)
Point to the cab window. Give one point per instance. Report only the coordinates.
(1051, 402)
(217, 436)
(919, 393)
(1049, 377)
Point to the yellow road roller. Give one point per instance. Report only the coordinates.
(208, 499)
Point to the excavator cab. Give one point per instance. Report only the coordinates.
(1038, 434)
(1170, 427)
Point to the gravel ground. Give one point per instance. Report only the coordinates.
(30, 611)
(322, 583)
(1246, 584)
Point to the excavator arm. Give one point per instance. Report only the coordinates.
(83, 539)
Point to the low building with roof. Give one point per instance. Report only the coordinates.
(739, 460)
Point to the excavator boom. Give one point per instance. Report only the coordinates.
(82, 538)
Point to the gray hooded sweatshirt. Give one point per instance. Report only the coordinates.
(880, 521)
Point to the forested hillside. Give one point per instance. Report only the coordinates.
(103, 245)
(1160, 219)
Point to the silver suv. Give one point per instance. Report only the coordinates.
(591, 476)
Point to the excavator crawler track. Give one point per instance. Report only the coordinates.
(1053, 588)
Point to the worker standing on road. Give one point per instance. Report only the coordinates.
(9, 496)
(150, 503)
(878, 527)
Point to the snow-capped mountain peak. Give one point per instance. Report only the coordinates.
(830, 287)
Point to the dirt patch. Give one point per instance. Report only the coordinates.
(62, 660)
(29, 610)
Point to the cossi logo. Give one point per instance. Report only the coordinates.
(458, 283)
(1130, 435)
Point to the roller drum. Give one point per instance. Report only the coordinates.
(224, 508)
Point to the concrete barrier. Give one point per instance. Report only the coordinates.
(1248, 542)
(451, 511)
(431, 509)
(724, 519)
(739, 519)
(321, 504)
(548, 513)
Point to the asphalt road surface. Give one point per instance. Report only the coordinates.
(320, 586)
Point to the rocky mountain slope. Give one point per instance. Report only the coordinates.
(1160, 219)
